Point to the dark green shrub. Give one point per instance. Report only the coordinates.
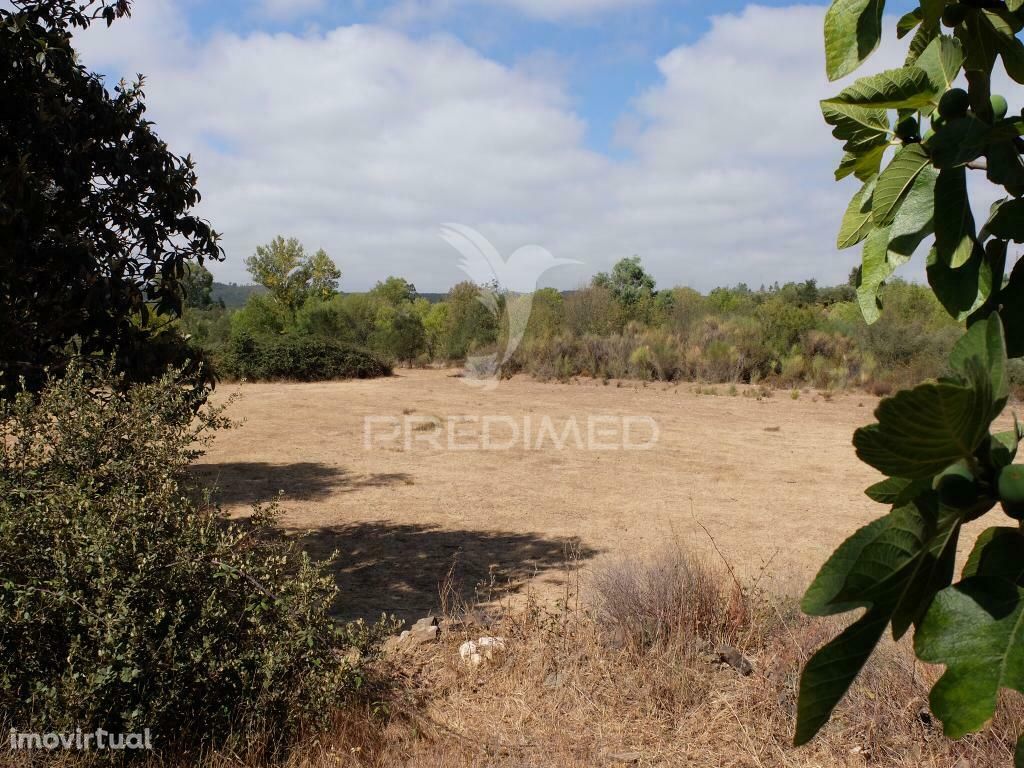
(783, 323)
(298, 358)
(399, 334)
(126, 605)
(327, 319)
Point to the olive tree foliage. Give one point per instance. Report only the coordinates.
(911, 136)
(96, 213)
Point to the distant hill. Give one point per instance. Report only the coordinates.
(234, 295)
(433, 298)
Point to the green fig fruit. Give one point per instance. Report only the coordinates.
(954, 103)
(999, 106)
(956, 486)
(1011, 490)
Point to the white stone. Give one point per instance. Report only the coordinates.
(476, 652)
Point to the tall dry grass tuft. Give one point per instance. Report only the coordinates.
(670, 598)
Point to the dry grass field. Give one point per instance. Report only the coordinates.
(773, 480)
(560, 543)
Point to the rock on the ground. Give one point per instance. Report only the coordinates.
(476, 652)
(425, 623)
(729, 655)
(423, 631)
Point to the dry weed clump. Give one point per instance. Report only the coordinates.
(671, 598)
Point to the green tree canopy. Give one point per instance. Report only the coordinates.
(197, 287)
(283, 268)
(394, 291)
(470, 324)
(629, 282)
(96, 213)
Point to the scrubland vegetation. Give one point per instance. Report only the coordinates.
(619, 327)
(629, 668)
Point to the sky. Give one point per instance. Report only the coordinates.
(686, 133)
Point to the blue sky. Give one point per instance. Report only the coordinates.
(605, 59)
(686, 133)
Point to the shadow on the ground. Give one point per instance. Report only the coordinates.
(402, 569)
(249, 482)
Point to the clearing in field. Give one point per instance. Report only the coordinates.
(396, 474)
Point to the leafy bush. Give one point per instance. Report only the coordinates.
(209, 328)
(593, 310)
(126, 605)
(399, 334)
(261, 315)
(298, 358)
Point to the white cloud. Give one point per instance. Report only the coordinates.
(363, 141)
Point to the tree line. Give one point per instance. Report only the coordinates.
(619, 325)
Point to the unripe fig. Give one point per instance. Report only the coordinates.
(1011, 490)
(954, 103)
(908, 129)
(999, 106)
(956, 486)
(953, 15)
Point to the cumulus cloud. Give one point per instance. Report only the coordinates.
(363, 140)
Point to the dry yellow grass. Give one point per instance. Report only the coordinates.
(574, 690)
(570, 693)
(774, 481)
